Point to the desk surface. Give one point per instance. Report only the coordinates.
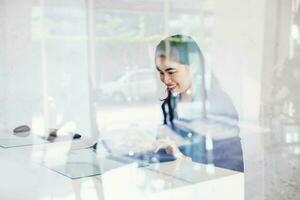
(23, 177)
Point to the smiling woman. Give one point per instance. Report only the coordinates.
(211, 133)
(176, 76)
(180, 63)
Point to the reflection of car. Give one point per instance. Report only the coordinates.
(134, 85)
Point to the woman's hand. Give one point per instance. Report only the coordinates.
(170, 147)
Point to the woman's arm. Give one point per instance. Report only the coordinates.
(170, 147)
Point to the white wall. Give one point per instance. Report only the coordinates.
(237, 52)
(43, 79)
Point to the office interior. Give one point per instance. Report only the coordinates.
(81, 75)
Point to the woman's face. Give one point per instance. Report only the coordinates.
(177, 77)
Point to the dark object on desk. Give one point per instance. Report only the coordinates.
(94, 147)
(76, 136)
(20, 129)
(52, 135)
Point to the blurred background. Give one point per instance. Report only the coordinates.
(88, 66)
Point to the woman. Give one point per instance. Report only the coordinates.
(180, 64)
(173, 60)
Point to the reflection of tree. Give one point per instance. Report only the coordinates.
(286, 90)
(286, 78)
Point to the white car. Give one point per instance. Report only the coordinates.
(140, 84)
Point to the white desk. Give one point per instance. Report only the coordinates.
(23, 178)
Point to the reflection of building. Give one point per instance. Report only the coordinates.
(282, 102)
(132, 29)
(191, 7)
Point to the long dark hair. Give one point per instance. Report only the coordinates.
(182, 49)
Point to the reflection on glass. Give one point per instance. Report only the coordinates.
(80, 62)
(282, 148)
